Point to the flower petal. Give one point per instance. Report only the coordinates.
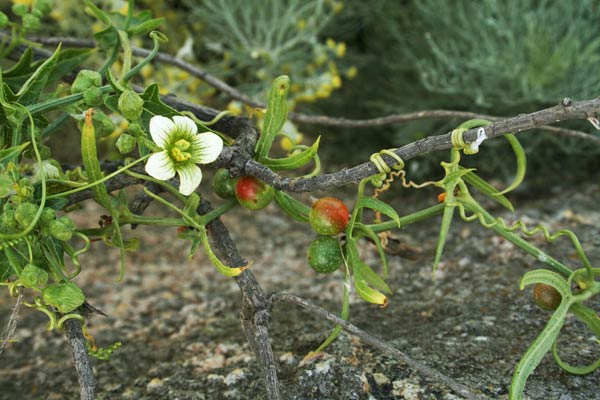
(160, 166)
(160, 130)
(189, 179)
(207, 147)
(185, 124)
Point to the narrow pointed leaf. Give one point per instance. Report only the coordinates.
(487, 189)
(373, 236)
(540, 346)
(222, 268)
(444, 229)
(275, 116)
(294, 161)
(292, 207)
(378, 205)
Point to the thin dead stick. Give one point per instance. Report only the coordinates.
(300, 117)
(11, 326)
(381, 345)
(83, 365)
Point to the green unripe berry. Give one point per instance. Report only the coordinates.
(31, 22)
(131, 105)
(86, 79)
(62, 228)
(223, 184)
(325, 254)
(93, 96)
(126, 143)
(33, 276)
(25, 214)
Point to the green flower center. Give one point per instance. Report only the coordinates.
(178, 151)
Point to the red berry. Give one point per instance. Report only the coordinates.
(329, 216)
(546, 297)
(252, 193)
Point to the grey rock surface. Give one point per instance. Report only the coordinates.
(182, 339)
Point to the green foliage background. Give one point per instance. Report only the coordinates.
(360, 59)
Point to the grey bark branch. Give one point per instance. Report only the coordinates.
(11, 325)
(83, 365)
(379, 344)
(573, 111)
(256, 306)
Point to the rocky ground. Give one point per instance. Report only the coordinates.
(182, 339)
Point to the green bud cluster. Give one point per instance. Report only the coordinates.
(131, 105)
(89, 82)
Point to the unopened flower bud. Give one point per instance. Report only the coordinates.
(131, 105)
(25, 213)
(93, 96)
(126, 143)
(33, 276)
(62, 228)
(86, 79)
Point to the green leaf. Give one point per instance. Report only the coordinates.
(362, 277)
(540, 346)
(65, 297)
(153, 105)
(367, 273)
(521, 163)
(146, 26)
(294, 161)
(68, 61)
(191, 205)
(96, 12)
(33, 87)
(444, 229)
(543, 343)
(292, 207)
(378, 205)
(373, 236)
(590, 318)
(549, 278)
(108, 38)
(454, 175)
(222, 268)
(487, 189)
(275, 117)
(18, 74)
(9, 154)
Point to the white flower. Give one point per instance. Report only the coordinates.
(182, 148)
